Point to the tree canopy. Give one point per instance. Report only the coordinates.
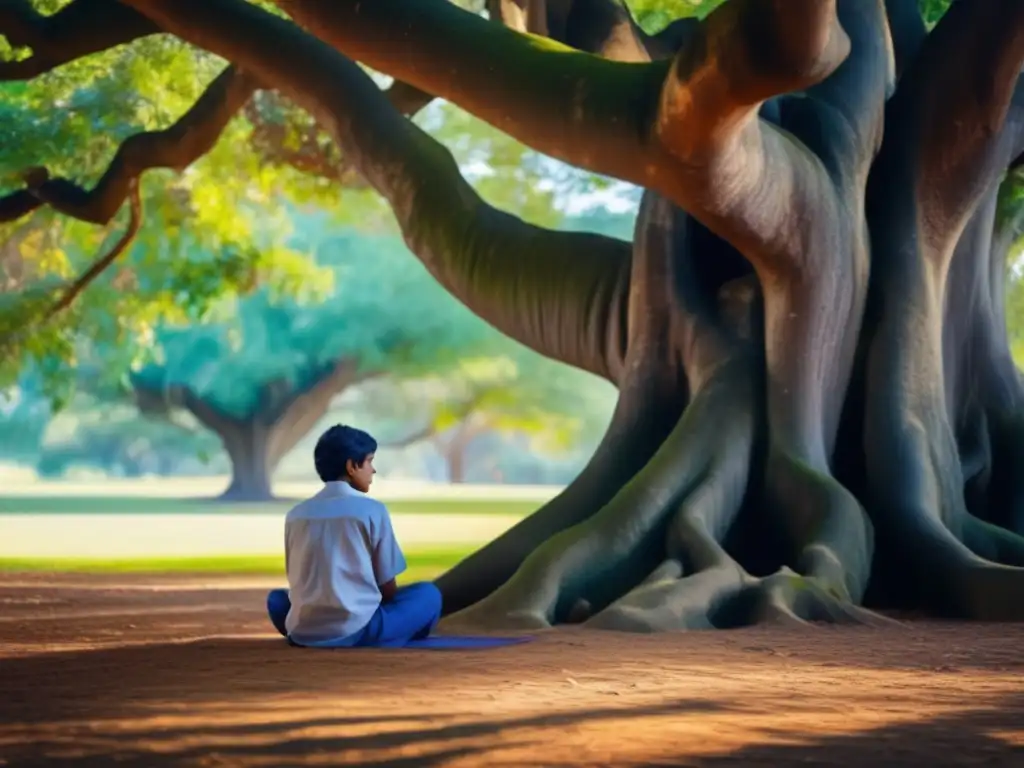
(216, 209)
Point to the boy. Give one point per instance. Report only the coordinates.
(342, 559)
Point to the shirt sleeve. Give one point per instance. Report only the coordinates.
(388, 560)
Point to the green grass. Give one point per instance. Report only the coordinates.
(124, 505)
(423, 564)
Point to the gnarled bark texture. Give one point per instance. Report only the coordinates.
(818, 410)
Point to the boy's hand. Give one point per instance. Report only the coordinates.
(387, 591)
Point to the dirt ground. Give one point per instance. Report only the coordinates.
(130, 671)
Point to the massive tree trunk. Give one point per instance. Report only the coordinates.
(818, 410)
(256, 443)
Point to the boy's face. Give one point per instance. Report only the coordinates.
(361, 477)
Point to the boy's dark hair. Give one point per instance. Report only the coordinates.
(337, 446)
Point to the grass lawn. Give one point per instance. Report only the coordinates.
(93, 505)
(423, 564)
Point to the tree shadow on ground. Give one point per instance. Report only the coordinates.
(290, 742)
(965, 738)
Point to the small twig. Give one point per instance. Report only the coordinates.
(82, 282)
(134, 224)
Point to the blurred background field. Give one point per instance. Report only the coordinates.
(178, 526)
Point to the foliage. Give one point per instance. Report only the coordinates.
(213, 234)
(24, 415)
(386, 313)
(654, 15)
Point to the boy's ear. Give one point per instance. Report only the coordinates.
(350, 467)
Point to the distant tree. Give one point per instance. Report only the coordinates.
(511, 391)
(263, 377)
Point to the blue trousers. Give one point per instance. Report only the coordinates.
(410, 615)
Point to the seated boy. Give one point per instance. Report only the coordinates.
(342, 559)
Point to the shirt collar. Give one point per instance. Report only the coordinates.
(340, 488)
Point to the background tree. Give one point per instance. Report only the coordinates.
(807, 331)
(262, 377)
(510, 392)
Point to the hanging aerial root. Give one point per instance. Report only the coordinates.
(719, 593)
(703, 465)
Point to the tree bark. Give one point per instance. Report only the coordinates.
(818, 409)
(252, 465)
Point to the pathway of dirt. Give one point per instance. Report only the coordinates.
(97, 670)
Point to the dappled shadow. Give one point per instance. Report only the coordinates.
(992, 736)
(121, 680)
(977, 736)
(292, 740)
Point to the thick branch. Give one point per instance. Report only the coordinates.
(563, 294)
(175, 147)
(969, 66)
(305, 408)
(601, 115)
(81, 28)
(17, 204)
(311, 151)
(156, 397)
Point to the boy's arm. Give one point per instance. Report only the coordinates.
(387, 591)
(388, 559)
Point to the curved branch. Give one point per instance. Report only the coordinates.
(97, 268)
(687, 130)
(560, 293)
(175, 147)
(154, 397)
(85, 279)
(302, 411)
(80, 28)
(17, 204)
(971, 62)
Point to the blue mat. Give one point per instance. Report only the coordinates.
(453, 642)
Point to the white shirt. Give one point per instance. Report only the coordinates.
(339, 548)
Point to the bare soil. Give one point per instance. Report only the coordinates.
(103, 670)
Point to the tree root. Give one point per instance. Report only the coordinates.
(585, 568)
(678, 512)
(825, 524)
(632, 438)
(957, 561)
(993, 542)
